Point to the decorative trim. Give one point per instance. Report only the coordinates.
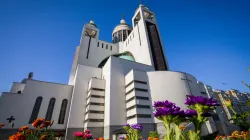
(139, 116)
(137, 97)
(137, 89)
(136, 81)
(138, 106)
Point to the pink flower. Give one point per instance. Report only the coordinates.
(87, 131)
(96, 139)
(78, 134)
(87, 135)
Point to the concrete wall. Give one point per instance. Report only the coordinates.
(96, 54)
(17, 87)
(20, 106)
(78, 101)
(114, 72)
(174, 86)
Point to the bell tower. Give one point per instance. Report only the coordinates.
(149, 34)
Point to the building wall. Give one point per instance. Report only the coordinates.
(74, 66)
(78, 101)
(96, 53)
(17, 87)
(20, 106)
(114, 72)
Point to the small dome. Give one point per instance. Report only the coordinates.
(127, 57)
(122, 26)
(92, 24)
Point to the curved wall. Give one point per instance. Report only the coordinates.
(172, 86)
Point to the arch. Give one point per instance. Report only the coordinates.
(62, 111)
(36, 109)
(103, 62)
(50, 109)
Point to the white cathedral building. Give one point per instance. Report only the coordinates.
(110, 84)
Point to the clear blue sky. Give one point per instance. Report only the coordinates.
(209, 39)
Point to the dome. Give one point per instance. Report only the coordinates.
(92, 24)
(122, 26)
(127, 57)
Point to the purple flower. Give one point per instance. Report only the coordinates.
(137, 127)
(192, 100)
(191, 113)
(122, 137)
(164, 108)
(126, 125)
(163, 104)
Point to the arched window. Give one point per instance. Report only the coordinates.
(50, 109)
(36, 109)
(63, 111)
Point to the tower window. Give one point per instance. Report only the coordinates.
(97, 44)
(50, 109)
(102, 45)
(63, 111)
(19, 92)
(36, 109)
(111, 48)
(106, 46)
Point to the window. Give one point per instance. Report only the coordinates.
(36, 109)
(50, 109)
(111, 48)
(19, 92)
(106, 46)
(97, 44)
(63, 111)
(203, 92)
(102, 45)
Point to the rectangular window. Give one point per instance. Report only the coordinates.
(137, 89)
(136, 81)
(102, 45)
(139, 116)
(138, 106)
(203, 92)
(94, 111)
(111, 48)
(97, 44)
(106, 46)
(137, 97)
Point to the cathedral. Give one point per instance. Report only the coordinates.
(110, 84)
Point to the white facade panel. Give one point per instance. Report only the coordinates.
(17, 87)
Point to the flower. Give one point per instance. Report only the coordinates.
(23, 128)
(150, 138)
(87, 135)
(126, 125)
(87, 131)
(191, 113)
(2, 125)
(192, 100)
(164, 108)
(182, 127)
(137, 127)
(101, 138)
(43, 137)
(78, 134)
(122, 137)
(38, 122)
(17, 136)
(228, 103)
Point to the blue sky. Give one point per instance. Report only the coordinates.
(209, 39)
